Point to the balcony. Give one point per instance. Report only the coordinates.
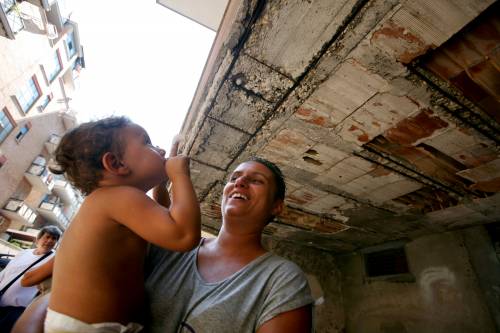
(44, 4)
(10, 18)
(50, 209)
(39, 176)
(17, 210)
(65, 191)
(52, 143)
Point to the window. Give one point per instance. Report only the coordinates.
(28, 94)
(11, 10)
(20, 135)
(70, 42)
(6, 124)
(386, 262)
(53, 66)
(44, 102)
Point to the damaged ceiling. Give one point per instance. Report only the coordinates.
(383, 115)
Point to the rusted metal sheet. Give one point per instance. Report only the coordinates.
(471, 61)
(410, 130)
(427, 200)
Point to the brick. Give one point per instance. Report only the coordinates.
(286, 145)
(378, 115)
(393, 190)
(291, 33)
(485, 172)
(345, 91)
(346, 170)
(217, 144)
(259, 79)
(204, 176)
(304, 196)
(240, 109)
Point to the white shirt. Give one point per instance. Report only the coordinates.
(18, 295)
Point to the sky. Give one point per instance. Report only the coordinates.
(142, 60)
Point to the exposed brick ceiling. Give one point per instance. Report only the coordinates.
(383, 115)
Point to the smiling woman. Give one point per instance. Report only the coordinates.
(232, 276)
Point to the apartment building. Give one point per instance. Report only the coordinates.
(40, 63)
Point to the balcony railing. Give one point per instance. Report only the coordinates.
(52, 143)
(10, 16)
(16, 209)
(65, 191)
(39, 176)
(52, 211)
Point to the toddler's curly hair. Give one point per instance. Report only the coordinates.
(79, 154)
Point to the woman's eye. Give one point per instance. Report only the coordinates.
(256, 181)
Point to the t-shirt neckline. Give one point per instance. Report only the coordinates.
(239, 271)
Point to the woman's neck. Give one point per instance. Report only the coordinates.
(230, 242)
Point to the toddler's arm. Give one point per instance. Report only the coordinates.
(177, 229)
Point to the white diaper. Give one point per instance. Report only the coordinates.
(56, 322)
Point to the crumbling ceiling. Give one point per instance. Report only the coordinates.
(382, 114)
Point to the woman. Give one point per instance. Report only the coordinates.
(16, 295)
(229, 283)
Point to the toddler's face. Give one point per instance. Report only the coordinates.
(145, 161)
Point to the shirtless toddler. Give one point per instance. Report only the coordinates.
(98, 275)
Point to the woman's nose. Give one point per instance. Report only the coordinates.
(241, 181)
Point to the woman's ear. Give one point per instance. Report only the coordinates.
(114, 165)
(277, 207)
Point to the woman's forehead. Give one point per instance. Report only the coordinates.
(254, 167)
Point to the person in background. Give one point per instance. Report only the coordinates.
(16, 297)
(40, 276)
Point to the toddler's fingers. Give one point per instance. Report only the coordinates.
(175, 145)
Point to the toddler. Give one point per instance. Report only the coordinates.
(98, 275)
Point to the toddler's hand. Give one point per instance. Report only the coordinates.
(177, 165)
(175, 145)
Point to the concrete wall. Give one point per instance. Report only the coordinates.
(445, 297)
(324, 279)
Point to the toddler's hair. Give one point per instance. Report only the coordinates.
(79, 154)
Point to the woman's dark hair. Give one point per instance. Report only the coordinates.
(79, 154)
(51, 230)
(278, 176)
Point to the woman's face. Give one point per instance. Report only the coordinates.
(46, 243)
(251, 193)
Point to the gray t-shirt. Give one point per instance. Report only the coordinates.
(181, 301)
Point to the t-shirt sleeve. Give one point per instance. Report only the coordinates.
(289, 291)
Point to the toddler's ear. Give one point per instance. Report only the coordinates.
(114, 165)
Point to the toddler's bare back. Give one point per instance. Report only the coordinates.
(98, 276)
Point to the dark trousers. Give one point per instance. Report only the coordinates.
(8, 317)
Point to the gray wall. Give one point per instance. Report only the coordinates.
(324, 278)
(445, 297)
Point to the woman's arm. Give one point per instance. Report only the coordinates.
(294, 321)
(36, 275)
(31, 321)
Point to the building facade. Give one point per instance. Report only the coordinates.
(40, 63)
